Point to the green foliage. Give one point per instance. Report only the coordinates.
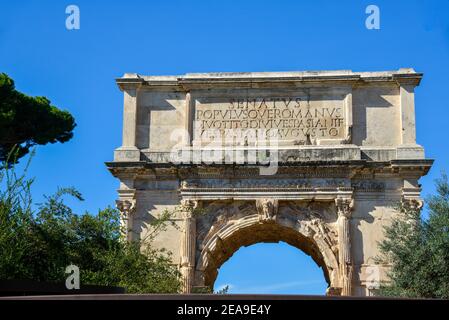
(209, 290)
(223, 290)
(15, 223)
(40, 245)
(202, 290)
(27, 121)
(419, 249)
(148, 272)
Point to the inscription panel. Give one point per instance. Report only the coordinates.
(298, 119)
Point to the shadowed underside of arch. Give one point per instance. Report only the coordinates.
(258, 233)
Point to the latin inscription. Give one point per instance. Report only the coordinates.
(288, 118)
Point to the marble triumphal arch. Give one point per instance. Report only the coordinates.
(319, 160)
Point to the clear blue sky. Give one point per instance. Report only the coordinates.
(76, 70)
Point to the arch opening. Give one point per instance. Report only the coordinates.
(260, 233)
(271, 268)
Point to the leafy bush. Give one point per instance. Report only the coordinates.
(418, 249)
(39, 244)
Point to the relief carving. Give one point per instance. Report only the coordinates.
(316, 229)
(217, 214)
(307, 211)
(267, 209)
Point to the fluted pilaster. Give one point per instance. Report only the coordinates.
(188, 245)
(127, 207)
(344, 209)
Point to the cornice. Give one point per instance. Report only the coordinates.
(306, 169)
(191, 81)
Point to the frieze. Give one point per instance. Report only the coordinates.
(263, 184)
(367, 185)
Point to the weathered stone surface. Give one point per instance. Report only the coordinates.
(316, 159)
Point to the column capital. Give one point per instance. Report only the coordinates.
(414, 204)
(126, 206)
(344, 206)
(188, 207)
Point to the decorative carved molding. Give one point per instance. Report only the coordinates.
(267, 209)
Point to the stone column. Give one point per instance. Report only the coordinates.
(127, 206)
(188, 245)
(344, 209)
